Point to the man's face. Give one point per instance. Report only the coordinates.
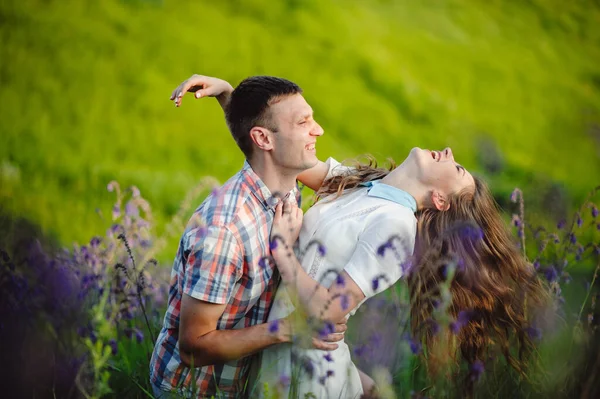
(439, 171)
(294, 142)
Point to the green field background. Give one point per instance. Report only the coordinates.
(512, 86)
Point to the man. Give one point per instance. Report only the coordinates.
(221, 289)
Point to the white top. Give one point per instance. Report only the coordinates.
(354, 229)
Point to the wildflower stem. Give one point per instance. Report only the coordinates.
(589, 290)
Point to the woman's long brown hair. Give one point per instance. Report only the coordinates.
(493, 289)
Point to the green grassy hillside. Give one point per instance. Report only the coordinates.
(513, 87)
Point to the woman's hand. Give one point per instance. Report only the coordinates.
(286, 228)
(203, 86)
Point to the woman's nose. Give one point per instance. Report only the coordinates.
(448, 153)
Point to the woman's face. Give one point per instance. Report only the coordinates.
(439, 171)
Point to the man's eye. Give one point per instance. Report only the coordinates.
(302, 122)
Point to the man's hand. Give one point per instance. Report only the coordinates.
(203, 86)
(286, 226)
(328, 343)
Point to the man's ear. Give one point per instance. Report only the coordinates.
(439, 201)
(262, 138)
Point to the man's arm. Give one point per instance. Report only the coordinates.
(202, 344)
(207, 86)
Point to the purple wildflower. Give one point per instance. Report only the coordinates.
(514, 194)
(135, 192)
(572, 238)
(550, 273)
(139, 336)
(561, 224)
(384, 247)
(308, 366)
(534, 333)
(285, 380)
(415, 347)
(328, 328)
(274, 326)
(579, 221)
(95, 242)
(262, 262)
(132, 210)
(476, 370)
(594, 211)
(113, 346)
(375, 283)
(321, 250)
(345, 302)
(536, 264)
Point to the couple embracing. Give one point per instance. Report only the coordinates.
(255, 263)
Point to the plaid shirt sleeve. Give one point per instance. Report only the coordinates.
(214, 264)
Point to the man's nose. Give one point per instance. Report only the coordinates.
(317, 130)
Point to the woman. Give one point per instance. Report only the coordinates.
(358, 240)
(365, 211)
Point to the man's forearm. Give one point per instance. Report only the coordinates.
(317, 300)
(220, 346)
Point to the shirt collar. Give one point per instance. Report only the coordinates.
(260, 190)
(376, 188)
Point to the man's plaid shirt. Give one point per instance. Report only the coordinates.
(218, 261)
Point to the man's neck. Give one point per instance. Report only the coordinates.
(277, 179)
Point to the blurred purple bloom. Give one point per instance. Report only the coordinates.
(308, 366)
(285, 380)
(321, 250)
(435, 327)
(579, 221)
(274, 326)
(572, 238)
(132, 210)
(113, 346)
(550, 273)
(328, 328)
(435, 303)
(128, 332)
(444, 271)
(561, 224)
(135, 192)
(536, 264)
(345, 302)
(116, 212)
(375, 283)
(534, 333)
(415, 347)
(476, 370)
(516, 221)
(514, 194)
(95, 242)
(594, 211)
(139, 336)
(359, 350)
(262, 262)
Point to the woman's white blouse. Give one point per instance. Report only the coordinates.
(367, 236)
